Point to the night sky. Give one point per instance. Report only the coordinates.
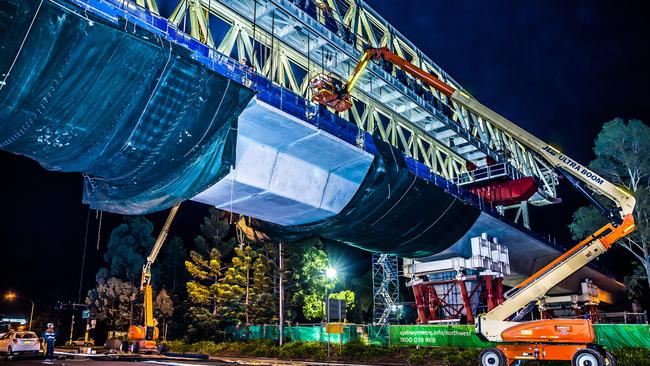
(560, 69)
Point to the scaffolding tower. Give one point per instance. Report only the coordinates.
(385, 285)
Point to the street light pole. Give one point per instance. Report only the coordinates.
(281, 290)
(11, 296)
(327, 320)
(330, 273)
(31, 315)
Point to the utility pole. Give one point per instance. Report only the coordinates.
(71, 328)
(281, 287)
(31, 316)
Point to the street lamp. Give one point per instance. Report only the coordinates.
(330, 273)
(11, 296)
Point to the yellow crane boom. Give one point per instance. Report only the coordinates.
(146, 335)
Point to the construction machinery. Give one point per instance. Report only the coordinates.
(142, 338)
(541, 340)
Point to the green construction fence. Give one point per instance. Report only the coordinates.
(609, 335)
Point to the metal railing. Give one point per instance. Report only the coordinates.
(488, 172)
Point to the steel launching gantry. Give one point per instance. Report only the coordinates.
(291, 42)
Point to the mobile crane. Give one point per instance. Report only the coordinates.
(540, 340)
(142, 338)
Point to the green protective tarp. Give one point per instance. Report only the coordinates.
(436, 336)
(622, 335)
(378, 335)
(610, 336)
(303, 333)
(146, 124)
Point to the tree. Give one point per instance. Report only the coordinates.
(202, 289)
(636, 285)
(111, 300)
(307, 283)
(313, 306)
(128, 246)
(234, 287)
(164, 308)
(345, 295)
(203, 325)
(362, 288)
(169, 269)
(263, 305)
(622, 156)
(214, 292)
(214, 230)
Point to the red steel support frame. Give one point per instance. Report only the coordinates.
(490, 294)
(466, 303)
(429, 303)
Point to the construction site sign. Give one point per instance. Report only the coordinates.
(334, 328)
(436, 336)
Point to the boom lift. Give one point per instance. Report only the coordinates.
(549, 339)
(143, 337)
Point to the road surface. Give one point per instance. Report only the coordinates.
(222, 361)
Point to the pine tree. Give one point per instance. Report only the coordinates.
(208, 296)
(128, 246)
(235, 285)
(205, 272)
(214, 230)
(263, 304)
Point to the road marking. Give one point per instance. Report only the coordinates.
(171, 363)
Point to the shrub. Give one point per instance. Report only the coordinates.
(632, 356)
(356, 351)
(416, 356)
(461, 356)
(176, 346)
(204, 347)
(259, 348)
(362, 351)
(303, 350)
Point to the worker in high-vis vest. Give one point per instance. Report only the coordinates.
(50, 338)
